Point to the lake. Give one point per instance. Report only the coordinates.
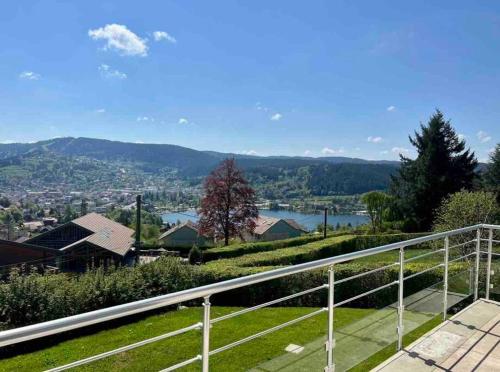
(310, 221)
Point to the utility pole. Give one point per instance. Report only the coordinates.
(138, 222)
(324, 225)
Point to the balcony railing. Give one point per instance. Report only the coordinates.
(465, 237)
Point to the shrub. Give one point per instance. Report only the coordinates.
(195, 256)
(27, 299)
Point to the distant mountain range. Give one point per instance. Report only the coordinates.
(163, 155)
(295, 175)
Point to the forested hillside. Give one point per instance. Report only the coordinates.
(86, 162)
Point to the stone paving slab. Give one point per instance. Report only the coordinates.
(469, 341)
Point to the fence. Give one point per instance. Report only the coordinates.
(467, 241)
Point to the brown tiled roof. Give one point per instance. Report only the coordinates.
(264, 223)
(188, 224)
(295, 224)
(107, 233)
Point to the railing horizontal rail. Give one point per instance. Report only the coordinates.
(182, 364)
(423, 271)
(365, 293)
(424, 255)
(340, 281)
(126, 348)
(462, 257)
(493, 241)
(462, 244)
(260, 306)
(267, 331)
(82, 320)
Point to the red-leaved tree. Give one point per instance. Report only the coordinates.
(228, 206)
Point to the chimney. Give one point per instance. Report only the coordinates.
(138, 222)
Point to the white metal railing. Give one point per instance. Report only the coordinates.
(35, 331)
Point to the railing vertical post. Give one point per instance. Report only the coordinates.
(330, 342)
(478, 257)
(401, 297)
(445, 285)
(488, 265)
(206, 335)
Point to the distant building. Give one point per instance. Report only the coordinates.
(185, 235)
(17, 253)
(90, 239)
(270, 228)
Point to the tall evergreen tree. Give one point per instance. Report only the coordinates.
(443, 166)
(492, 174)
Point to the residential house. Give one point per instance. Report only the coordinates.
(89, 240)
(271, 228)
(16, 253)
(185, 235)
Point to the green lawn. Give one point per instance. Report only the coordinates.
(359, 333)
(164, 353)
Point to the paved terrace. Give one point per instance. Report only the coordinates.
(469, 341)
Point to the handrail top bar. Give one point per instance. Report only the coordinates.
(55, 326)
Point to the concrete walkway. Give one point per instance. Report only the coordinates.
(469, 341)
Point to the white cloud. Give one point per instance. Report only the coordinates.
(29, 75)
(250, 152)
(307, 152)
(162, 35)
(400, 150)
(6, 142)
(121, 39)
(260, 107)
(100, 111)
(384, 152)
(329, 151)
(183, 121)
(144, 118)
(108, 73)
(276, 117)
(376, 139)
(461, 137)
(483, 136)
(391, 108)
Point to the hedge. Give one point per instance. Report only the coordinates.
(313, 251)
(263, 292)
(247, 248)
(32, 298)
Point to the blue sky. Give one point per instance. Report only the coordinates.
(283, 77)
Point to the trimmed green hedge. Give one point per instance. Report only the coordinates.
(255, 247)
(312, 251)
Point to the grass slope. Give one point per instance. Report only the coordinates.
(164, 353)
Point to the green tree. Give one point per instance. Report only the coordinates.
(466, 208)
(492, 174)
(69, 214)
(463, 209)
(195, 255)
(443, 166)
(4, 202)
(376, 203)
